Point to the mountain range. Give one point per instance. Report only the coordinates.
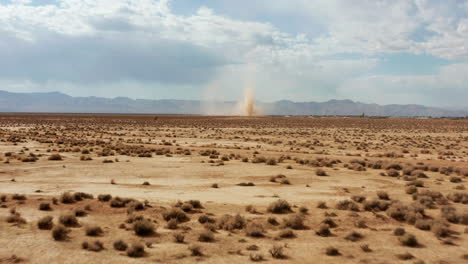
(56, 102)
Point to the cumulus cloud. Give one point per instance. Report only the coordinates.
(144, 48)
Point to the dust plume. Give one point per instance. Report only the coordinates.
(248, 105)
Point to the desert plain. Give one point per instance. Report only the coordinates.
(82, 188)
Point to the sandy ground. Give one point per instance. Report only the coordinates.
(178, 176)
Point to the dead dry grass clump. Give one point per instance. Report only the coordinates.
(179, 237)
(177, 214)
(354, 236)
(18, 197)
(320, 172)
(295, 221)
(94, 246)
(332, 251)
(104, 197)
(69, 220)
(15, 218)
(229, 222)
(55, 157)
(408, 213)
(120, 245)
(458, 197)
(408, 240)
(93, 231)
(254, 229)
(136, 250)
(206, 236)
(323, 230)
(206, 219)
(347, 205)
(196, 250)
(143, 227)
(60, 233)
(383, 195)
(45, 223)
(67, 198)
(277, 252)
(45, 206)
(279, 207)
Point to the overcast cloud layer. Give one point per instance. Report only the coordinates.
(299, 50)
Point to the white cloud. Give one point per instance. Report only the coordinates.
(123, 43)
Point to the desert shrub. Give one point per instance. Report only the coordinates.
(136, 250)
(254, 229)
(411, 189)
(94, 246)
(354, 236)
(93, 231)
(320, 172)
(19, 197)
(143, 227)
(3, 198)
(423, 224)
(79, 196)
(366, 248)
(214, 185)
(285, 182)
(55, 157)
(172, 224)
(277, 252)
(399, 231)
(195, 204)
(80, 212)
(206, 219)
(328, 221)
(67, 198)
(323, 230)
(69, 220)
(358, 198)
(322, 205)
(279, 207)
(393, 173)
(15, 218)
(229, 222)
(303, 210)
(195, 250)
(120, 245)
(458, 197)
(347, 205)
(383, 195)
(271, 162)
(404, 256)
(45, 207)
(175, 213)
(179, 237)
(60, 233)
(246, 184)
(286, 233)
(360, 224)
(441, 230)
(402, 212)
(295, 221)
(104, 197)
(45, 223)
(418, 174)
(255, 257)
(394, 166)
(332, 251)
(186, 207)
(117, 202)
(272, 221)
(206, 236)
(408, 240)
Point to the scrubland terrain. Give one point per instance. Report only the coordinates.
(184, 189)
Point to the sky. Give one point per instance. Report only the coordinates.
(372, 51)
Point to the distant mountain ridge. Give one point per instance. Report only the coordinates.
(56, 102)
